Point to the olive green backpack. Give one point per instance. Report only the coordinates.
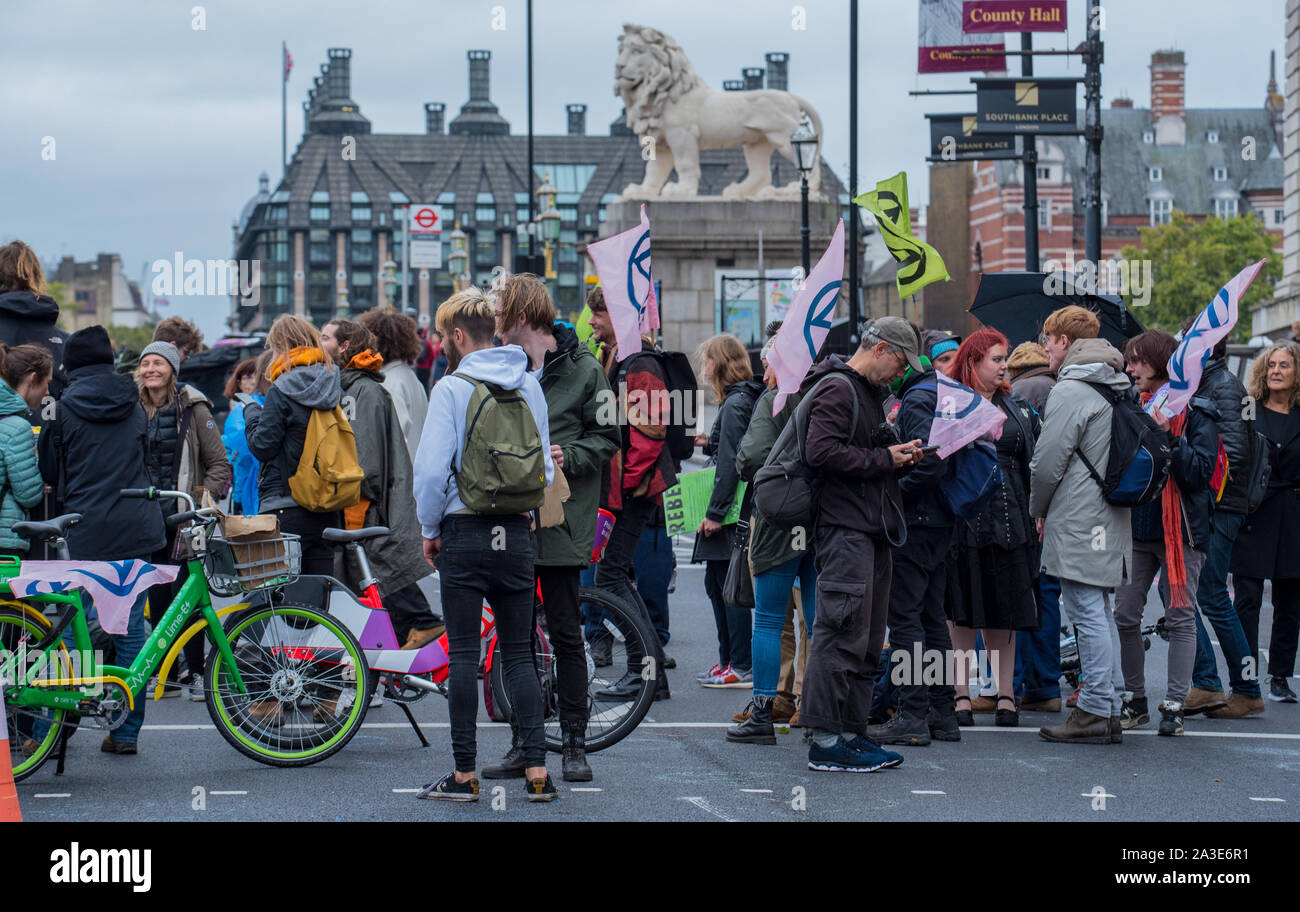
(502, 468)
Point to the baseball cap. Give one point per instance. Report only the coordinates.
(897, 331)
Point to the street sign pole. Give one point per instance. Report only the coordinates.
(1092, 132)
(406, 256)
(1030, 160)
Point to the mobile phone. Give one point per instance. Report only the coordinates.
(930, 448)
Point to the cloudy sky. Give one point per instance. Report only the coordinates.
(160, 130)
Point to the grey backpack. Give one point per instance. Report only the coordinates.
(783, 487)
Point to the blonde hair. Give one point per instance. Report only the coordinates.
(730, 362)
(1073, 322)
(20, 269)
(525, 295)
(289, 332)
(470, 311)
(1257, 385)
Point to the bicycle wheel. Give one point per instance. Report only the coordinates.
(33, 730)
(610, 718)
(306, 680)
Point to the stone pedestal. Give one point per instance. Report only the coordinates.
(693, 238)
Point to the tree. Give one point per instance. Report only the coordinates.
(59, 292)
(1191, 261)
(134, 338)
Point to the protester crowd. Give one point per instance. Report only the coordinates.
(857, 625)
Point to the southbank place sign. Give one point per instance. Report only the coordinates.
(1026, 105)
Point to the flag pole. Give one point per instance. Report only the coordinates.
(284, 112)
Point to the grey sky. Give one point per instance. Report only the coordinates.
(161, 130)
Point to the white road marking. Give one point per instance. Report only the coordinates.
(927, 792)
(405, 791)
(1282, 800)
(228, 793)
(54, 795)
(575, 789)
(705, 806)
(757, 791)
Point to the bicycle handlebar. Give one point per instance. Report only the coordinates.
(157, 494)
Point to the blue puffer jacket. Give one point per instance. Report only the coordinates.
(21, 485)
(242, 461)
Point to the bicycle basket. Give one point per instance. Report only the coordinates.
(241, 566)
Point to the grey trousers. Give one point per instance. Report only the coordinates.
(1130, 600)
(1100, 677)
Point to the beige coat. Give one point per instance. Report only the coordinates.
(1085, 539)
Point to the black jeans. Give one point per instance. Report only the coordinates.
(317, 554)
(735, 624)
(1286, 620)
(409, 610)
(916, 616)
(470, 570)
(615, 575)
(564, 627)
(853, 577)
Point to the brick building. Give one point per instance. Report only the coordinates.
(99, 292)
(1205, 162)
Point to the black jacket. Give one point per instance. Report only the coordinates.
(276, 431)
(1265, 547)
(856, 480)
(26, 317)
(923, 505)
(101, 429)
(1225, 392)
(1194, 454)
(724, 440)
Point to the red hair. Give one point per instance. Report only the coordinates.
(974, 349)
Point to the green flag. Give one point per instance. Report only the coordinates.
(919, 263)
(585, 336)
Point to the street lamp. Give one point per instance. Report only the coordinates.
(548, 221)
(458, 258)
(805, 141)
(390, 279)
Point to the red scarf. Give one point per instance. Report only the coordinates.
(1171, 517)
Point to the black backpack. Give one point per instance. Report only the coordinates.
(1140, 453)
(683, 394)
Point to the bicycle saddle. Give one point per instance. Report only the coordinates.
(45, 531)
(345, 536)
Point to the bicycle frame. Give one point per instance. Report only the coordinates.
(193, 594)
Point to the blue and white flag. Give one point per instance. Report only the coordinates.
(112, 585)
(961, 416)
(807, 321)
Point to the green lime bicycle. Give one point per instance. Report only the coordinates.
(285, 684)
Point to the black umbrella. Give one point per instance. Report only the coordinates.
(1017, 303)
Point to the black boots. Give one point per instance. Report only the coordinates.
(512, 765)
(575, 768)
(757, 729)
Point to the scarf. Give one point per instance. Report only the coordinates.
(1171, 517)
(366, 360)
(297, 357)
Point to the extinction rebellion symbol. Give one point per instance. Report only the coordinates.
(638, 273)
(820, 318)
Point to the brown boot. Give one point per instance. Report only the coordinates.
(1042, 706)
(267, 711)
(1199, 701)
(1080, 726)
(1237, 707)
(418, 638)
(109, 746)
(783, 709)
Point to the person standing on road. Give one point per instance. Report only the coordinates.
(1266, 547)
(574, 386)
(858, 516)
(639, 473)
(485, 555)
(396, 560)
(1221, 387)
(997, 563)
(248, 379)
(725, 365)
(91, 449)
(399, 345)
(303, 379)
(1087, 542)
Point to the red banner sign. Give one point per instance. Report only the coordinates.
(982, 16)
(987, 57)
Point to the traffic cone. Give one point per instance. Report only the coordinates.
(9, 812)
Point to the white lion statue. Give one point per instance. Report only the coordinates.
(667, 101)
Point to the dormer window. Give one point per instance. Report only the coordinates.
(1148, 137)
(1212, 136)
(1155, 174)
(1220, 173)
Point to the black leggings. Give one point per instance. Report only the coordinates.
(564, 627)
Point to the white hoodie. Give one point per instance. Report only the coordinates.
(442, 442)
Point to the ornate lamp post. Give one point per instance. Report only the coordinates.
(805, 142)
(458, 258)
(390, 280)
(548, 222)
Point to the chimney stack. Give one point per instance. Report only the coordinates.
(778, 71)
(479, 63)
(1168, 97)
(732, 85)
(479, 116)
(1121, 102)
(753, 77)
(577, 119)
(338, 78)
(433, 112)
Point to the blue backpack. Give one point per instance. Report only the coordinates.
(1140, 453)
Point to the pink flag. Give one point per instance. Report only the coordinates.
(961, 416)
(112, 585)
(1212, 324)
(807, 321)
(623, 265)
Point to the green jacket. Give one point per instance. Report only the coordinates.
(21, 485)
(575, 387)
(769, 545)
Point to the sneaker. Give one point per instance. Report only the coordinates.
(901, 729)
(448, 789)
(711, 673)
(841, 758)
(731, 679)
(1171, 718)
(866, 746)
(1279, 692)
(1199, 701)
(541, 789)
(194, 689)
(1134, 713)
